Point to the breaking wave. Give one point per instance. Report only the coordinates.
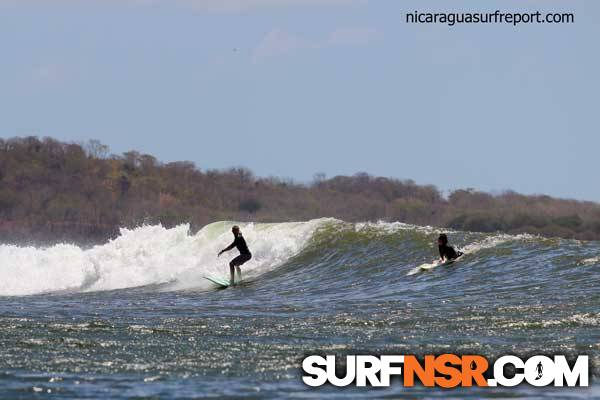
(175, 259)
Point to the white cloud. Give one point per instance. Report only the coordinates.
(225, 6)
(278, 42)
(353, 36)
(48, 73)
(244, 5)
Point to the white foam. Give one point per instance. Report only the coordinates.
(148, 255)
(392, 227)
(588, 319)
(590, 261)
(493, 241)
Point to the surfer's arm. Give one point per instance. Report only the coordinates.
(231, 246)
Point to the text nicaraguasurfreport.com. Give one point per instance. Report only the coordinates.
(495, 17)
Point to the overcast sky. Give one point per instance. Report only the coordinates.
(294, 87)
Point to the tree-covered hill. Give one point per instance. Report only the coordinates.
(52, 191)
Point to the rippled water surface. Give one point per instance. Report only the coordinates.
(135, 318)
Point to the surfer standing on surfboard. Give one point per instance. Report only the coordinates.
(245, 255)
(447, 253)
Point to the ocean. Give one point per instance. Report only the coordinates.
(135, 317)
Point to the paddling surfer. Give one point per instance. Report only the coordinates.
(447, 253)
(245, 255)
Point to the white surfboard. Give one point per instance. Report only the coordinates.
(438, 263)
(217, 280)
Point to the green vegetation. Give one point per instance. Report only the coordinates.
(53, 191)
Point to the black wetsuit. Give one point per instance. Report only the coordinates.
(448, 252)
(242, 247)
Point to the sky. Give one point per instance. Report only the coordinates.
(291, 88)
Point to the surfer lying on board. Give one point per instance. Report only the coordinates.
(447, 253)
(244, 256)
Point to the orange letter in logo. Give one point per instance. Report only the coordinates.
(453, 376)
(473, 368)
(412, 366)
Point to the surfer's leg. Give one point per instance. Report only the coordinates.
(231, 274)
(235, 265)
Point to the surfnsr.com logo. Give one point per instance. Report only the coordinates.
(446, 371)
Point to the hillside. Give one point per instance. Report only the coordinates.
(52, 191)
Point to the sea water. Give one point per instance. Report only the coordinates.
(135, 317)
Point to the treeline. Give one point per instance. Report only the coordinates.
(52, 191)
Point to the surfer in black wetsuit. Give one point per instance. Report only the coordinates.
(244, 256)
(447, 253)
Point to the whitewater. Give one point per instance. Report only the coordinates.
(135, 317)
(148, 255)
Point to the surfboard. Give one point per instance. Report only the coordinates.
(221, 282)
(427, 267)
